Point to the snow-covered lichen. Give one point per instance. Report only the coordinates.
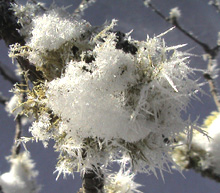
(22, 177)
(121, 182)
(105, 97)
(204, 152)
(210, 145)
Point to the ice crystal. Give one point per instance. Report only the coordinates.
(175, 13)
(210, 145)
(121, 182)
(53, 29)
(106, 97)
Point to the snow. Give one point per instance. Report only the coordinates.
(21, 177)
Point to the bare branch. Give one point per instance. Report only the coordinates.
(211, 51)
(212, 85)
(16, 147)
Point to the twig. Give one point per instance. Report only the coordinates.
(212, 86)
(212, 52)
(9, 33)
(16, 147)
(18, 128)
(194, 157)
(8, 75)
(93, 181)
(216, 5)
(82, 7)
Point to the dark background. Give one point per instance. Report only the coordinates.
(197, 17)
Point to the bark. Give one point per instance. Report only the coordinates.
(93, 181)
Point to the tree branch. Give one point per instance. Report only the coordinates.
(18, 128)
(212, 52)
(16, 147)
(195, 163)
(216, 5)
(9, 33)
(39, 5)
(93, 181)
(1, 191)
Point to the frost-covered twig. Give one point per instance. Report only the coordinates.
(215, 4)
(83, 6)
(212, 52)
(7, 75)
(9, 33)
(203, 156)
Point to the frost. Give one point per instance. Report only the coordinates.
(12, 105)
(40, 129)
(53, 29)
(105, 97)
(175, 13)
(121, 182)
(21, 177)
(146, 2)
(124, 97)
(25, 14)
(212, 144)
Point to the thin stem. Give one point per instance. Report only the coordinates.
(16, 147)
(174, 22)
(212, 85)
(18, 128)
(82, 7)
